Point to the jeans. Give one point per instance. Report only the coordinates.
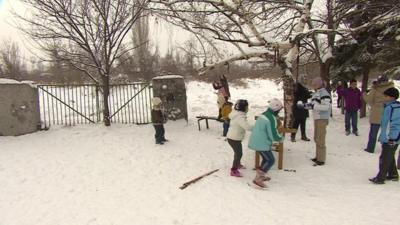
(302, 124)
(353, 116)
(339, 101)
(373, 135)
(387, 163)
(237, 149)
(160, 133)
(225, 126)
(268, 160)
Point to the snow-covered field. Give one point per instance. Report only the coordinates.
(95, 175)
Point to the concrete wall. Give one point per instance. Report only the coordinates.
(172, 91)
(19, 109)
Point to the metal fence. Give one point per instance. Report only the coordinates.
(131, 103)
(82, 104)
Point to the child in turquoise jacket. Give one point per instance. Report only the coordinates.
(264, 134)
(389, 138)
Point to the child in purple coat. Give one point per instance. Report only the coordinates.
(352, 100)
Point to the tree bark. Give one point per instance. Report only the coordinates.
(288, 98)
(324, 69)
(288, 93)
(106, 93)
(364, 87)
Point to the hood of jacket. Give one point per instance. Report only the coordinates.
(383, 86)
(236, 114)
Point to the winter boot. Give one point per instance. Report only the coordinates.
(314, 159)
(305, 138)
(292, 138)
(392, 178)
(235, 173)
(376, 181)
(265, 177)
(318, 163)
(366, 150)
(259, 179)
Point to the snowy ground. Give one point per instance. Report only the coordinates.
(96, 175)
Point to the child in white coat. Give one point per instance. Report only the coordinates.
(236, 133)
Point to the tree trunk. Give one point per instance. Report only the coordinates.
(288, 93)
(364, 87)
(324, 69)
(324, 73)
(106, 93)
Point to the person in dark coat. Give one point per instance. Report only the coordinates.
(158, 119)
(352, 100)
(300, 114)
(225, 85)
(340, 99)
(339, 90)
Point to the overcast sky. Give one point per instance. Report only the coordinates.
(7, 31)
(161, 33)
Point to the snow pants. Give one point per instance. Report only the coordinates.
(238, 152)
(319, 138)
(373, 136)
(299, 122)
(351, 115)
(387, 162)
(160, 133)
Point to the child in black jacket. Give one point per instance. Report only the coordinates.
(158, 120)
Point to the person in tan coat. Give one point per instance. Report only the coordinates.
(375, 100)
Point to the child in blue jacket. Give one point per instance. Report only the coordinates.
(264, 134)
(389, 138)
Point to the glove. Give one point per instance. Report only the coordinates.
(308, 106)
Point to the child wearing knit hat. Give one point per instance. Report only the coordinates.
(158, 119)
(264, 135)
(389, 138)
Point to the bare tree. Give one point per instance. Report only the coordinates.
(11, 65)
(142, 54)
(88, 34)
(191, 56)
(274, 30)
(268, 29)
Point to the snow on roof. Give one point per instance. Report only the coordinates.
(8, 81)
(168, 77)
(11, 81)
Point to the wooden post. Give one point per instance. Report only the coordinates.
(280, 155)
(257, 162)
